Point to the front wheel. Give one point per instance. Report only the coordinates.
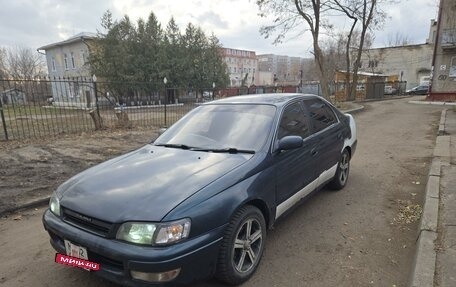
(343, 169)
(242, 246)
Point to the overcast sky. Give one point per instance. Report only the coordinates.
(34, 23)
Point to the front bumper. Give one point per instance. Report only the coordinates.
(353, 148)
(196, 257)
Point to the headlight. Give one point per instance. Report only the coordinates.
(154, 233)
(54, 205)
(140, 233)
(173, 231)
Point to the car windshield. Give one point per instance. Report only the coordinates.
(226, 127)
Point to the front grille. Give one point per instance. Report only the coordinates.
(88, 223)
(105, 261)
(93, 257)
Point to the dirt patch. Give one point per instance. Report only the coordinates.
(34, 169)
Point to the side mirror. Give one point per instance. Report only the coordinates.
(290, 142)
(161, 131)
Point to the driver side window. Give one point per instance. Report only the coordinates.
(293, 122)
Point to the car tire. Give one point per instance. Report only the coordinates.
(242, 246)
(343, 170)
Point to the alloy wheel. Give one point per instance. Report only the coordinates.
(247, 245)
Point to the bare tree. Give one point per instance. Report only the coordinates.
(3, 70)
(369, 16)
(24, 63)
(289, 15)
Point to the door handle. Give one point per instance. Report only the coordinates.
(314, 151)
(340, 136)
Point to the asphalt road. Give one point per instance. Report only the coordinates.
(363, 235)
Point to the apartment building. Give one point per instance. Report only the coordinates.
(242, 67)
(443, 79)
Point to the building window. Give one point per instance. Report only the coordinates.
(452, 73)
(53, 64)
(448, 37)
(83, 60)
(73, 66)
(65, 61)
(373, 64)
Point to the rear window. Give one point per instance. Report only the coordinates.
(321, 114)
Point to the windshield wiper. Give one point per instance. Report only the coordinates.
(182, 146)
(228, 150)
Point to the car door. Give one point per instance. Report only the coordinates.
(295, 176)
(328, 135)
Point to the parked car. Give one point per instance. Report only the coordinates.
(198, 201)
(418, 90)
(389, 90)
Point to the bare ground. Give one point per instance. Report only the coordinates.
(32, 170)
(363, 235)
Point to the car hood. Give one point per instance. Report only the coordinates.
(145, 184)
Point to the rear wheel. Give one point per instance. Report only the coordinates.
(242, 246)
(343, 169)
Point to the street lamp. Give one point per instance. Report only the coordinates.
(213, 90)
(165, 80)
(94, 79)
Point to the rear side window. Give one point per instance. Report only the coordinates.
(321, 114)
(293, 122)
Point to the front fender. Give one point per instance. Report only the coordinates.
(218, 209)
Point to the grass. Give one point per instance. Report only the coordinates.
(32, 110)
(36, 122)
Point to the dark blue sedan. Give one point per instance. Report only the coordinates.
(199, 200)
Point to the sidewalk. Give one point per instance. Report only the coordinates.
(435, 259)
(445, 275)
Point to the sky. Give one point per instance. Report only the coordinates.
(35, 23)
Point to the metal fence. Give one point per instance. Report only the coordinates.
(51, 107)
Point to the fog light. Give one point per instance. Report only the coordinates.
(156, 277)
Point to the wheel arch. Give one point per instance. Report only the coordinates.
(263, 207)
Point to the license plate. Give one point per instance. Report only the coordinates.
(77, 251)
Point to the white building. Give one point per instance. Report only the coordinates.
(69, 70)
(410, 63)
(242, 67)
(285, 70)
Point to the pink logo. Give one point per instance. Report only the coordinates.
(76, 262)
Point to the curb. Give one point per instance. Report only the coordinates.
(355, 110)
(432, 103)
(387, 98)
(31, 204)
(425, 257)
(442, 123)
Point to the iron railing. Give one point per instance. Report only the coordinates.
(37, 108)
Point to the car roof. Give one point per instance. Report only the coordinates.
(278, 99)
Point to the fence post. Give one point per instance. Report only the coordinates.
(3, 120)
(96, 96)
(166, 103)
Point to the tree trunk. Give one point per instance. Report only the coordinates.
(322, 73)
(348, 86)
(122, 119)
(367, 18)
(97, 120)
